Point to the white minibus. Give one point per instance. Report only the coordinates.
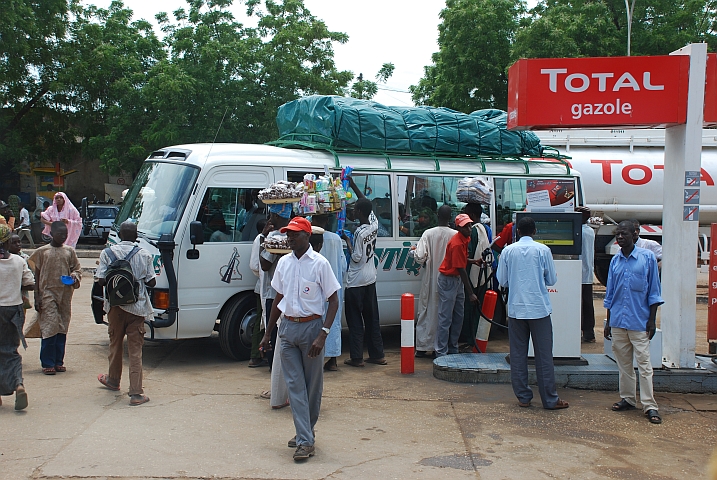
(186, 192)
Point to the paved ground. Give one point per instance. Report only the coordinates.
(206, 420)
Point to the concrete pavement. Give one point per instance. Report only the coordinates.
(206, 420)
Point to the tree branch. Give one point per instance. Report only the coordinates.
(23, 111)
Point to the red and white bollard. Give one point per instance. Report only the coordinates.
(489, 300)
(407, 333)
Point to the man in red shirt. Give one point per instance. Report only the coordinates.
(453, 283)
(505, 237)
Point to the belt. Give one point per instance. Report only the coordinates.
(302, 319)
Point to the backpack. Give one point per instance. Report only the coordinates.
(121, 287)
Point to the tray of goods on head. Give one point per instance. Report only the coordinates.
(277, 244)
(322, 195)
(282, 192)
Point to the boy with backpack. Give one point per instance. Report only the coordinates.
(125, 270)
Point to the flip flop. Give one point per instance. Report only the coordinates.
(49, 371)
(278, 407)
(622, 405)
(138, 400)
(652, 415)
(377, 361)
(104, 380)
(265, 394)
(20, 399)
(60, 368)
(353, 363)
(523, 404)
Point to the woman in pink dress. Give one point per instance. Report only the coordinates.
(62, 210)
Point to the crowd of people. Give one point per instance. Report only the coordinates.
(53, 272)
(301, 295)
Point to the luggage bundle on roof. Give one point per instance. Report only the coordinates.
(344, 122)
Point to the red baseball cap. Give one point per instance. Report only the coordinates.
(297, 224)
(463, 219)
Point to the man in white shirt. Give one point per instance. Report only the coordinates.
(361, 300)
(587, 256)
(304, 282)
(128, 319)
(430, 251)
(24, 229)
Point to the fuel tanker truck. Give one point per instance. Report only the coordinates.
(622, 176)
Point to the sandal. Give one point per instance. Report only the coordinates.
(49, 371)
(653, 416)
(377, 361)
(138, 400)
(20, 398)
(353, 363)
(105, 380)
(278, 407)
(330, 366)
(523, 404)
(265, 394)
(560, 404)
(60, 368)
(622, 405)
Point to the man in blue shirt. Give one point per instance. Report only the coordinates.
(526, 267)
(631, 299)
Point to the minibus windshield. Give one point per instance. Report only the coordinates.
(157, 198)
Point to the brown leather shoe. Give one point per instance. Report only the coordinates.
(560, 404)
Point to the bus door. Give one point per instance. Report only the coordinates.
(229, 213)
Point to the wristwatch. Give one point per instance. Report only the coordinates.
(326, 330)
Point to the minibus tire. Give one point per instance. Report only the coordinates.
(236, 322)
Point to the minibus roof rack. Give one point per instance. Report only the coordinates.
(311, 141)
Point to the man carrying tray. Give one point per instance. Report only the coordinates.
(304, 282)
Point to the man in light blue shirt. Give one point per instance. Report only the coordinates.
(632, 296)
(527, 269)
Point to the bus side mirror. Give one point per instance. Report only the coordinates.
(196, 233)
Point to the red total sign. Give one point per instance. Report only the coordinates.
(598, 92)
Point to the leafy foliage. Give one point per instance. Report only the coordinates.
(366, 89)
(479, 39)
(469, 70)
(93, 82)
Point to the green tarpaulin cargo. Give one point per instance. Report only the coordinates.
(345, 122)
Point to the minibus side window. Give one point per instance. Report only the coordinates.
(377, 188)
(230, 214)
(509, 197)
(420, 196)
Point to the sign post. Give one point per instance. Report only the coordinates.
(683, 150)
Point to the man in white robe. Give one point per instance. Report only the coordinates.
(429, 252)
(333, 251)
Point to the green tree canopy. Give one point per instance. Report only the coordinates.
(469, 71)
(95, 82)
(581, 28)
(366, 89)
(479, 39)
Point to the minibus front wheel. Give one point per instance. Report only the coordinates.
(236, 324)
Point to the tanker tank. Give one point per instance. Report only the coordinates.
(622, 175)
